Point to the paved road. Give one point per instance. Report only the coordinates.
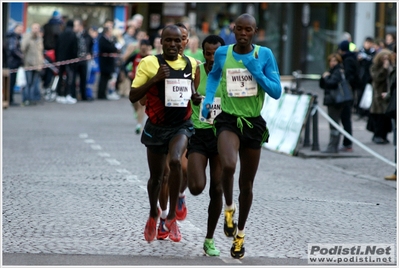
(74, 193)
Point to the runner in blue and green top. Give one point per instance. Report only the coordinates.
(202, 147)
(245, 72)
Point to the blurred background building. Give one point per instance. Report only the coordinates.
(301, 35)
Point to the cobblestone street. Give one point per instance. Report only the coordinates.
(74, 183)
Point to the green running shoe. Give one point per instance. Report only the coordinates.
(209, 247)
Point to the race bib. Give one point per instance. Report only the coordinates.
(240, 83)
(177, 92)
(214, 111)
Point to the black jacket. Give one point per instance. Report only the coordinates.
(67, 45)
(51, 32)
(107, 63)
(351, 67)
(330, 83)
(13, 49)
(89, 43)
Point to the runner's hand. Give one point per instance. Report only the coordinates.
(196, 98)
(252, 64)
(206, 110)
(163, 72)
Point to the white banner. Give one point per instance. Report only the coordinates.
(285, 120)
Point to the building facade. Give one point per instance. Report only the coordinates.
(301, 35)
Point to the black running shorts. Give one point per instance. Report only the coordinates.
(204, 142)
(250, 137)
(157, 138)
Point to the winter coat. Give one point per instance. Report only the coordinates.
(88, 41)
(365, 63)
(107, 63)
(67, 45)
(391, 96)
(380, 84)
(351, 67)
(51, 31)
(331, 82)
(32, 48)
(15, 56)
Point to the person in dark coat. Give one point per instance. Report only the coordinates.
(106, 46)
(15, 57)
(351, 67)
(51, 30)
(379, 123)
(365, 57)
(85, 47)
(329, 81)
(391, 96)
(66, 49)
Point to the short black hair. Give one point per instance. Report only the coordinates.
(170, 26)
(212, 39)
(180, 24)
(145, 42)
(369, 39)
(69, 23)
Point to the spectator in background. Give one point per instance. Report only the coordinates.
(365, 58)
(351, 68)
(94, 67)
(329, 81)
(32, 48)
(106, 47)
(390, 40)
(348, 37)
(15, 57)
(51, 30)
(136, 22)
(194, 50)
(145, 50)
(227, 33)
(129, 38)
(157, 46)
(391, 96)
(66, 49)
(85, 46)
(378, 122)
(379, 44)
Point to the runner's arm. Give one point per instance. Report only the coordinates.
(267, 77)
(213, 81)
(138, 92)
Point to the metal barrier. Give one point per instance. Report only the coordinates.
(313, 115)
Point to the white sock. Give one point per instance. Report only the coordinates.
(232, 206)
(164, 213)
(182, 194)
(240, 233)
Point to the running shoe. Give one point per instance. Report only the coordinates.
(209, 247)
(162, 233)
(181, 209)
(150, 229)
(173, 229)
(230, 227)
(138, 129)
(237, 251)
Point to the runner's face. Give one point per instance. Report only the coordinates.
(171, 43)
(184, 38)
(209, 53)
(244, 31)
